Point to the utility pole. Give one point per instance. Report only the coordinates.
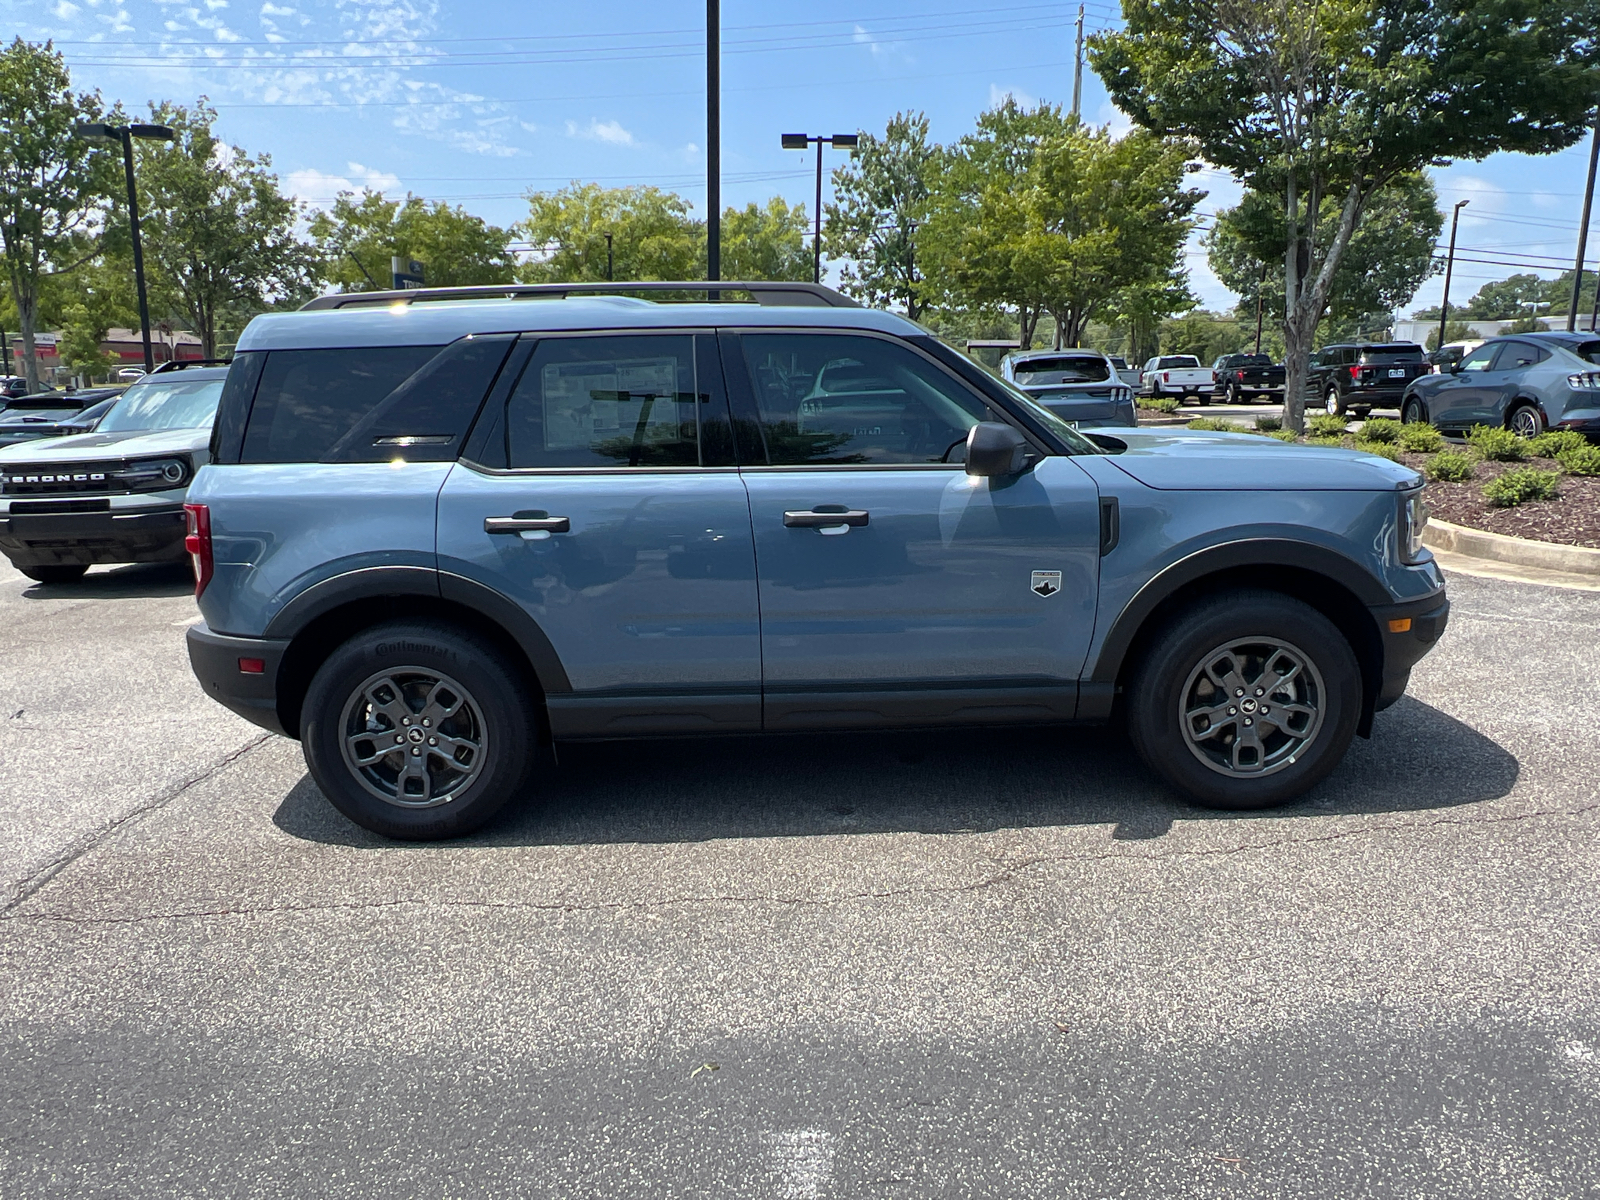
(1260, 283)
(1449, 265)
(1583, 230)
(713, 142)
(1077, 71)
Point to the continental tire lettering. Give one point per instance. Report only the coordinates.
(388, 648)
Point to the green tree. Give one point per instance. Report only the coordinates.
(90, 302)
(1309, 99)
(1390, 252)
(1508, 299)
(359, 236)
(53, 186)
(652, 235)
(1206, 335)
(879, 199)
(1454, 331)
(219, 237)
(765, 242)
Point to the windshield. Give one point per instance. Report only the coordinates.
(1176, 362)
(169, 402)
(1076, 368)
(1399, 353)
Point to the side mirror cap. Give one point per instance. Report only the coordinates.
(1453, 366)
(995, 450)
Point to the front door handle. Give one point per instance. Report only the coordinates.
(826, 519)
(537, 525)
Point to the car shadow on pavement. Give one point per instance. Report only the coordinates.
(952, 781)
(134, 581)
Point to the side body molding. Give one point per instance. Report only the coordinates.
(372, 583)
(1265, 553)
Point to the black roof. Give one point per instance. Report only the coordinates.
(1555, 335)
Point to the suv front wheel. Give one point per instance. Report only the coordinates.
(416, 730)
(1246, 700)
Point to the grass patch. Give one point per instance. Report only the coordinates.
(1519, 485)
(1380, 429)
(1556, 442)
(1580, 460)
(1450, 466)
(1328, 440)
(1269, 424)
(1217, 425)
(1161, 404)
(1381, 449)
(1497, 445)
(1420, 439)
(1283, 435)
(1325, 425)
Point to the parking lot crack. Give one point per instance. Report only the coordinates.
(994, 879)
(95, 837)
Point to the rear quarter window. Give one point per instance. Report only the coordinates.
(370, 404)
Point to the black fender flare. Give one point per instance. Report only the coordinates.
(388, 582)
(1212, 560)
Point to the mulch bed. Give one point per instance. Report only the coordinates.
(1572, 519)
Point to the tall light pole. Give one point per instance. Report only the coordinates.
(1449, 265)
(1077, 70)
(1583, 230)
(713, 141)
(125, 135)
(799, 141)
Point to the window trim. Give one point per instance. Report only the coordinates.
(744, 404)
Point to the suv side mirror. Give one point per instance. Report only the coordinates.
(995, 450)
(1453, 367)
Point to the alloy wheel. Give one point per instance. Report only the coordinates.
(1525, 422)
(413, 737)
(1252, 707)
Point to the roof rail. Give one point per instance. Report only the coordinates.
(178, 364)
(782, 294)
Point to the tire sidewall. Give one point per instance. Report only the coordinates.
(1538, 421)
(425, 646)
(1152, 706)
(1411, 412)
(1333, 402)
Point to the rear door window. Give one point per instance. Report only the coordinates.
(1520, 354)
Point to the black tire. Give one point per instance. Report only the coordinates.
(62, 573)
(1333, 401)
(1203, 399)
(1525, 420)
(432, 662)
(1167, 682)
(1234, 395)
(1412, 412)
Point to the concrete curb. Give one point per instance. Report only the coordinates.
(1520, 552)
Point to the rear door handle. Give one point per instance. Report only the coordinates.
(839, 520)
(539, 525)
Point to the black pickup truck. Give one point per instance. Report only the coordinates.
(1242, 377)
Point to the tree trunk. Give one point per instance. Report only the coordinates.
(27, 314)
(1307, 305)
(1027, 318)
(1296, 351)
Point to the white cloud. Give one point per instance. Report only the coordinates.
(270, 9)
(601, 131)
(998, 96)
(319, 188)
(863, 38)
(1121, 124)
(64, 10)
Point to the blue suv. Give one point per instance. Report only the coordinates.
(437, 532)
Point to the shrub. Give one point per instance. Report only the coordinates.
(1381, 449)
(1314, 440)
(1218, 424)
(1326, 425)
(1580, 460)
(1269, 424)
(1520, 484)
(1556, 442)
(1497, 445)
(1162, 404)
(1380, 429)
(1450, 466)
(1420, 439)
(1283, 435)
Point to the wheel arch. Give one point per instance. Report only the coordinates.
(324, 616)
(1523, 400)
(1329, 582)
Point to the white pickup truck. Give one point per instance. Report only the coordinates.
(1177, 375)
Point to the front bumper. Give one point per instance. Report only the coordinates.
(38, 537)
(215, 657)
(1407, 633)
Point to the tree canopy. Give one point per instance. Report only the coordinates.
(358, 237)
(880, 197)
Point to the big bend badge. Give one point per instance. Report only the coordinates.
(1046, 583)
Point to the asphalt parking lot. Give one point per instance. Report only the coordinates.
(986, 964)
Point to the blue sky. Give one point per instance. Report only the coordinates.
(477, 102)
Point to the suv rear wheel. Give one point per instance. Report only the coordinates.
(1333, 402)
(416, 730)
(1525, 421)
(1246, 700)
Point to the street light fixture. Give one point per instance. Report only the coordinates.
(1449, 265)
(124, 134)
(799, 141)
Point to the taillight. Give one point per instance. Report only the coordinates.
(1166, 377)
(1355, 372)
(198, 543)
